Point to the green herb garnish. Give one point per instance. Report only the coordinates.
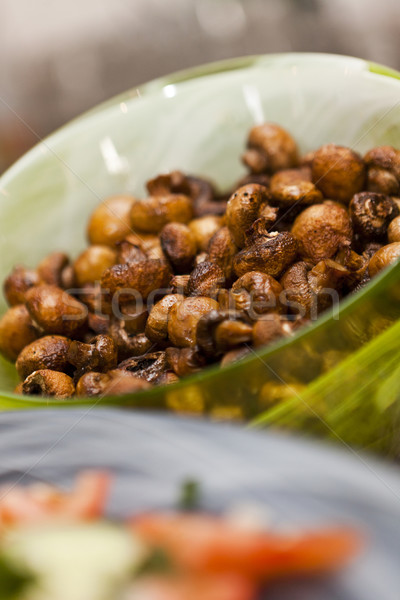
(157, 562)
(13, 580)
(189, 498)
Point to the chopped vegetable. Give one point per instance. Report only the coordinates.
(221, 587)
(190, 495)
(42, 502)
(74, 561)
(157, 562)
(49, 552)
(207, 544)
(13, 579)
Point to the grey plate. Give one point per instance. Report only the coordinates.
(302, 483)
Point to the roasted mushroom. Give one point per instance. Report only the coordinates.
(150, 366)
(385, 256)
(183, 319)
(382, 181)
(113, 383)
(206, 279)
(127, 283)
(18, 283)
(17, 330)
(394, 230)
(54, 270)
(179, 246)
(270, 329)
(321, 230)
(99, 355)
(91, 264)
(179, 284)
(157, 323)
(128, 344)
(185, 361)
(203, 229)
(55, 311)
(222, 250)
(384, 157)
(309, 290)
(338, 172)
(272, 256)
(152, 214)
(256, 294)
(294, 187)
(49, 384)
(270, 148)
(371, 215)
(49, 352)
(242, 210)
(111, 222)
(220, 331)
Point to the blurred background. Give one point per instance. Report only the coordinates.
(60, 58)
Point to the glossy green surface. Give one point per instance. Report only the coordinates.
(197, 121)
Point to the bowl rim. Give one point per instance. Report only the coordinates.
(185, 75)
(155, 86)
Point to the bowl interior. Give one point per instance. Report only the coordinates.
(196, 121)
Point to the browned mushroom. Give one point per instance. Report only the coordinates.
(54, 268)
(294, 187)
(262, 227)
(128, 344)
(203, 229)
(220, 331)
(91, 264)
(243, 209)
(152, 214)
(394, 230)
(150, 366)
(18, 283)
(127, 283)
(133, 317)
(16, 331)
(371, 215)
(384, 157)
(256, 294)
(157, 323)
(222, 250)
(338, 172)
(309, 290)
(185, 361)
(235, 355)
(99, 355)
(270, 329)
(179, 284)
(130, 252)
(55, 310)
(183, 319)
(110, 222)
(200, 190)
(206, 279)
(321, 230)
(113, 383)
(382, 181)
(179, 246)
(49, 352)
(385, 256)
(49, 384)
(272, 256)
(270, 148)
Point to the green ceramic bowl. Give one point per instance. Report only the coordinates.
(338, 376)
